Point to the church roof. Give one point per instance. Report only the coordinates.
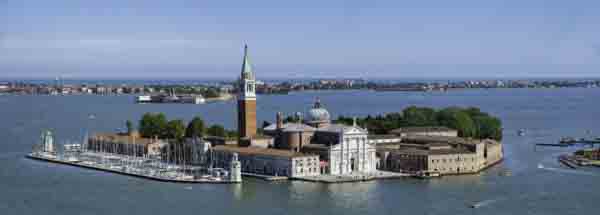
(246, 65)
(290, 127)
(318, 113)
(341, 128)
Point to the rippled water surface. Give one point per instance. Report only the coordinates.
(538, 185)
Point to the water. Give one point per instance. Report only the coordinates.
(32, 187)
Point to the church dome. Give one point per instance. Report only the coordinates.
(318, 114)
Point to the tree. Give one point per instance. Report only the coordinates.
(419, 116)
(195, 128)
(216, 130)
(129, 126)
(153, 124)
(265, 124)
(231, 133)
(211, 93)
(175, 129)
(291, 118)
(488, 127)
(458, 119)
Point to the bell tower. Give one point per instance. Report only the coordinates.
(247, 100)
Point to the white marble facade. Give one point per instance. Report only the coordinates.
(353, 154)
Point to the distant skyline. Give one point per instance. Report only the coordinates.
(300, 39)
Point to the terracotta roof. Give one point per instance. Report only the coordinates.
(259, 151)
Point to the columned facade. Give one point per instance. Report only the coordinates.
(353, 154)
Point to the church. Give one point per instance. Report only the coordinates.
(342, 149)
(310, 147)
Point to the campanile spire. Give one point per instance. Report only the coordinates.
(247, 99)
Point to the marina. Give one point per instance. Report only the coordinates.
(130, 165)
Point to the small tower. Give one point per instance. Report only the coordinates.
(279, 119)
(48, 141)
(235, 169)
(247, 100)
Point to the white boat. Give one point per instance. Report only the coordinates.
(428, 174)
(73, 159)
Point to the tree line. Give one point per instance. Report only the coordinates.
(469, 122)
(156, 125)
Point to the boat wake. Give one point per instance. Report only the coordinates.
(485, 203)
(565, 171)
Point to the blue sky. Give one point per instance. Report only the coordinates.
(300, 39)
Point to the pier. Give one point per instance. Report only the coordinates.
(172, 175)
(130, 164)
(567, 161)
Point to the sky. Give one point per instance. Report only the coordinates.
(299, 39)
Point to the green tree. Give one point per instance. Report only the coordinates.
(291, 118)
(211, 93)
(129, 126)
(175, 129)
(216, 130)
(153, 124)
(232, 134)
(457, 119)
(195, 128)
(265, 124)
(419, 116)
(488, 127)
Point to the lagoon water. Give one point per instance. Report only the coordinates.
(537, 185)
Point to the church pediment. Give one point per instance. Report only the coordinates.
(354, 130)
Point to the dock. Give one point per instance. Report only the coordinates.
(265, 177)
(126, 171)
(567, 162)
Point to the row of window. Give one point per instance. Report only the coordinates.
(310, 170)
(450, 160)
(452, 169)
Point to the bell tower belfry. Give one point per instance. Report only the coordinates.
(247, 99)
